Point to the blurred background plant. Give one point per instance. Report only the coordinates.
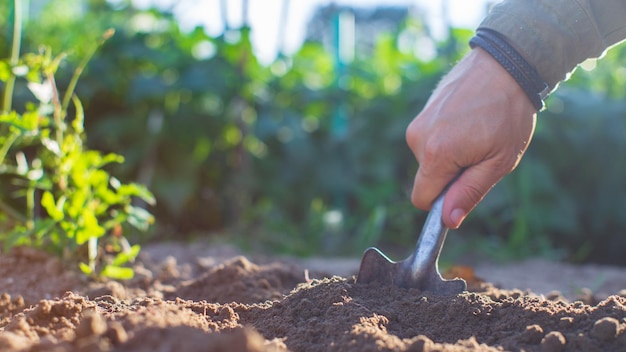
(306, 155)
(59, 196)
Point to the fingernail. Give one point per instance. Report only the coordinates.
(457, 215)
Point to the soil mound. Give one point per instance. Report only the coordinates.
(237, 305)
(239, 280)
(358, 318)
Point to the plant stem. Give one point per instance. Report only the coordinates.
(30, 207)
(15, 54)
(59, 113)
(79, 70)
(7, 144)
(17, 32)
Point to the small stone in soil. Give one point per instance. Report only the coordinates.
(91, 324)
(605, 329)
(566, 322)
(553, 342)
(532, 334)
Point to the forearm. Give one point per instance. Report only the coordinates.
(556, 35)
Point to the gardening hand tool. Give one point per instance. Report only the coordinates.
(420, 270)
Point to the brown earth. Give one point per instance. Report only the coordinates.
(199, 298)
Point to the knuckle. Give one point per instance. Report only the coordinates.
(412, 135)
(433, 150)
(417, 132)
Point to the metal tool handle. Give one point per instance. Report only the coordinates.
(430, 242)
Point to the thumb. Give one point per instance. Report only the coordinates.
(468, 190)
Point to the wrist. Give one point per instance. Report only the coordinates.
(497, 86)
(526, 76)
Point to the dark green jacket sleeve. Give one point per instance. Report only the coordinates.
(557, 35)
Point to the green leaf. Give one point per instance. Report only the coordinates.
(111, 158)
(51, 145)
(30, 120)
(137, 190)
(5, 71)
(85, 268)
(98, 178)
(90, 227)
(54, 211)
(24, 124)
(139, 217)
(79, 120)
(125, 257)
(108, 198)
(115, 182)
(117, 272)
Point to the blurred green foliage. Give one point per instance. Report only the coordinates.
(225, 142)
(58, 194)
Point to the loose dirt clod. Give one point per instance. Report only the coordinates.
(553, 342)
(605, 329)
(239, 280)
(242, 306)
(532, 335)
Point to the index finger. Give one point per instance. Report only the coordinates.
(428, 185)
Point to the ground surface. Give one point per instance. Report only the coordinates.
(200, 298)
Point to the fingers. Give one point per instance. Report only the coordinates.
(436, 166)
(471, 186)
(469, 189)
(428, 185)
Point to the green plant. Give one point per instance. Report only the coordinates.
(70, 204)
(263, 155)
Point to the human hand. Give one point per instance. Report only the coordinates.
(477, 123)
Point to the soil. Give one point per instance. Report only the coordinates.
(203, 298)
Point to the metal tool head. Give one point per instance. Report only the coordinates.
(420, 270)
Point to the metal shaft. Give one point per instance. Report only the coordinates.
(430, 241)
